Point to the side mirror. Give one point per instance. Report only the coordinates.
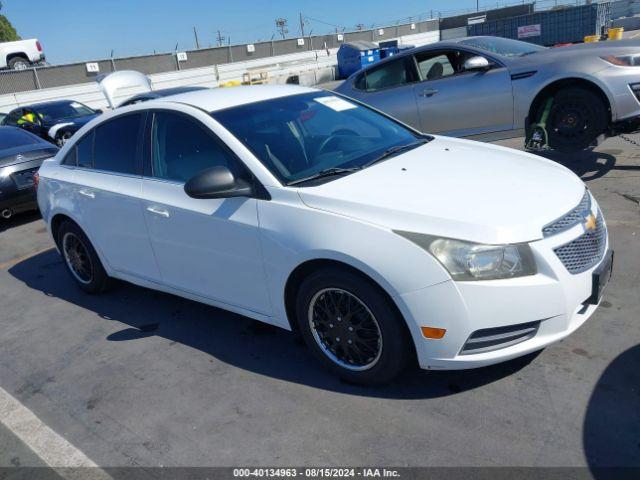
(217, 182)
(476, 63)
(98, 110)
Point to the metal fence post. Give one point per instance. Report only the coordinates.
(35, 75)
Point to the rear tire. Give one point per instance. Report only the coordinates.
(81, 259)
(18, 63)
(351, 327)
(577, 117)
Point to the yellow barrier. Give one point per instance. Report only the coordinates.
(231, 83)
(616, 33)
(591, 38)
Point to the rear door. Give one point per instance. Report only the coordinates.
(207, 247)
(389, 88)
(452, 101)
(108, 181)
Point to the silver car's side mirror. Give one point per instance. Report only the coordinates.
(476, 63)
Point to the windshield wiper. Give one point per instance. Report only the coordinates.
(327, 172)
(389, 152)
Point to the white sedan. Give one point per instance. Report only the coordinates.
(299, 208)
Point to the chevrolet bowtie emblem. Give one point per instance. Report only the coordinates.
(590, 222)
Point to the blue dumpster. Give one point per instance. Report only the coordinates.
(391, 51)
(355, 55)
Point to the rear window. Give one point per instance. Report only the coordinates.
(12, 138)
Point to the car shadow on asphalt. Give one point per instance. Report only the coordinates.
(589, 164)
(235, 339)
(19, 220)
(611, 432)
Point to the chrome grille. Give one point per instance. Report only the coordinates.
(585, 251)
(570, 219)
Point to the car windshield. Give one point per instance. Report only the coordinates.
(503, 46)
(308, 135)
(58, 111)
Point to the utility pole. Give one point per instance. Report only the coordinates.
(195, 34)
(220, 39)
(281, 25)
(301, 25)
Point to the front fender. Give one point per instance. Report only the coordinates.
(292, 234)
(526, 90)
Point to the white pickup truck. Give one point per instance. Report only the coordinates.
(21, 54)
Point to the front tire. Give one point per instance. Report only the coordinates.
(351, 327)
(577, 117)
(81, 259)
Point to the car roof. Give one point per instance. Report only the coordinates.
(35, 106)
(220, 98)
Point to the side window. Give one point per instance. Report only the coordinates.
(116, 144)
(84, 151)
(434, 65)
(391, 74)
(181, 147)
(71, 158)
(360, 82)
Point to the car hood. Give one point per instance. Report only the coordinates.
(457, 189)
(578, 51)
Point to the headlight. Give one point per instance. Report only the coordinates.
(623, 60)
(473, 261)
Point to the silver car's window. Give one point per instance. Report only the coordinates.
(392, 74)
(434, 67)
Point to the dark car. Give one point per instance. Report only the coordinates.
(153, 94)
(53, 121)
(21, 154)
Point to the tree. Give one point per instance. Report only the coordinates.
(7, 32)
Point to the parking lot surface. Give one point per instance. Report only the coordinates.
(136, 377)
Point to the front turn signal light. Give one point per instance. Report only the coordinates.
(434, 333)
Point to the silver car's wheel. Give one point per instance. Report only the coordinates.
(345, 329)
(77, 257)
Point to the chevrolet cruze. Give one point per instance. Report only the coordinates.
(299, 208)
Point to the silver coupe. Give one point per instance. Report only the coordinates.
(564, 98)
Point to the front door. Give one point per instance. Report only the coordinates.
(207, 247)
(452, 101)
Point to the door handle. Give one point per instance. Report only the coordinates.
(428, 92)
(158, 211)
(87, 193)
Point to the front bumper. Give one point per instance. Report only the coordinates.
(625, 106)
(554, 300)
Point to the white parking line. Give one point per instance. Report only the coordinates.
(55, 451)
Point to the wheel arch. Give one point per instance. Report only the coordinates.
(13, 55)
(307, 267)
(56, 221)
(558, 84)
